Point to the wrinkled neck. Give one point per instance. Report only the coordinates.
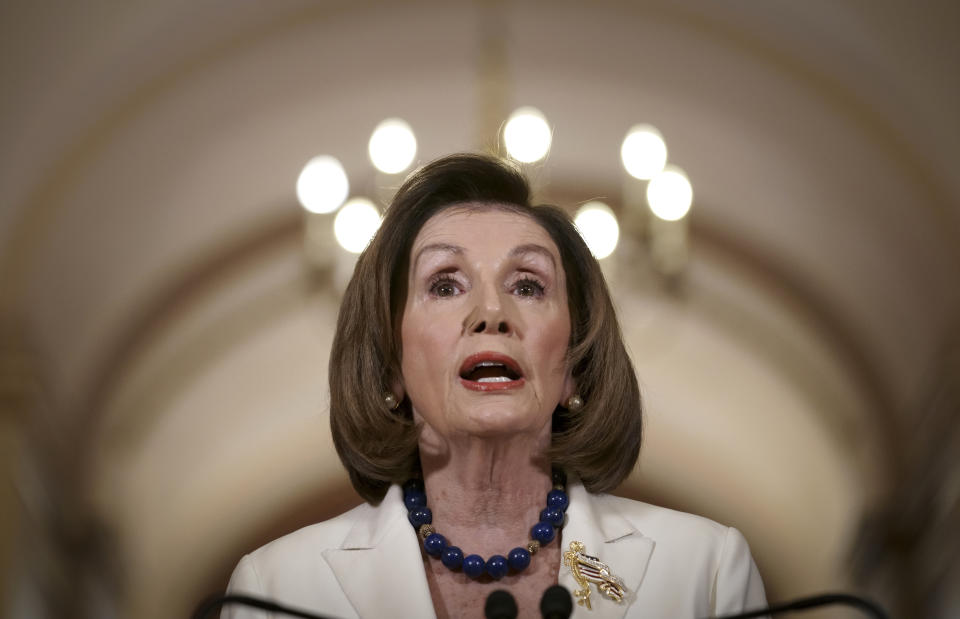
(486, 494)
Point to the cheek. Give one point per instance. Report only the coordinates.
(413, 360)
(560, 330)
(424, 352)
(554, 340)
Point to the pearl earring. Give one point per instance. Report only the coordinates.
(391, 401)
(574, 403)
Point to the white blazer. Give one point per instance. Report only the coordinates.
(367, 563)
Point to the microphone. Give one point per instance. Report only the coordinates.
(556, 603)
(500, 605)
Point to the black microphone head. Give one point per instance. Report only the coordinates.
(556, 603)
(500, 605)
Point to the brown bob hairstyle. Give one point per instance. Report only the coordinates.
(600, 443)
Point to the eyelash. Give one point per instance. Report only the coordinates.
(527, 280)
(441, 279)
(444, 279)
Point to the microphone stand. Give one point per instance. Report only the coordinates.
(212, 604)
(824, 599)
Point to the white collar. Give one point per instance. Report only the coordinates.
(379, 565)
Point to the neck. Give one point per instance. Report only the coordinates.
(485, 494)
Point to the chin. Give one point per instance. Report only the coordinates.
(492, 421)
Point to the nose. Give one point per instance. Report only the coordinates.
(501, 326)
(489, 316)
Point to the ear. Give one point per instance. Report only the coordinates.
(569, 388)
(396, 388)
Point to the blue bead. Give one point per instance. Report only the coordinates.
(452, 557)
(473, 566)
(420, 516)
(542, 532)
(558, 499)
(552, 515)
(434, 544)
(518, 559)
(497, 566)
(414, 498)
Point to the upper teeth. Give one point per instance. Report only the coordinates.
(492, 379)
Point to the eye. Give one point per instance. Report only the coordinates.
(528, 287)
(444, 286)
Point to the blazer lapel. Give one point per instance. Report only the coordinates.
(609, 536)
(379, 565)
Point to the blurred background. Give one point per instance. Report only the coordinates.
(183, 183)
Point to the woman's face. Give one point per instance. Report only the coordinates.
(486, 326)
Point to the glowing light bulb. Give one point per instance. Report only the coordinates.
(643, 152)
(599, 228)
(392, 146)
(527, 135)
(322, 185)
(355, 224)
(670, 194)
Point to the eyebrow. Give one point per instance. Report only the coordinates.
(519, 250)
(436, 247)
(533, 248)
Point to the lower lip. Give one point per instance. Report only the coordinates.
(477, 386)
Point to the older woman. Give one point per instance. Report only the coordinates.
(483, 403)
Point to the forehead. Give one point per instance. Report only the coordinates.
(483, 227)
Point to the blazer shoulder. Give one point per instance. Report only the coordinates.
(310, 539)
(715, 559)
(291, 569)
(342, 567)
(672, 528)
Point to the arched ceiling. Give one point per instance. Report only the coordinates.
(821, 135)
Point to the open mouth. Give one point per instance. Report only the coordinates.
(488, 371)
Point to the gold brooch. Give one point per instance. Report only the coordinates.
(588, 569)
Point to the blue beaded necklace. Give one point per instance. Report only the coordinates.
(474, 566)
